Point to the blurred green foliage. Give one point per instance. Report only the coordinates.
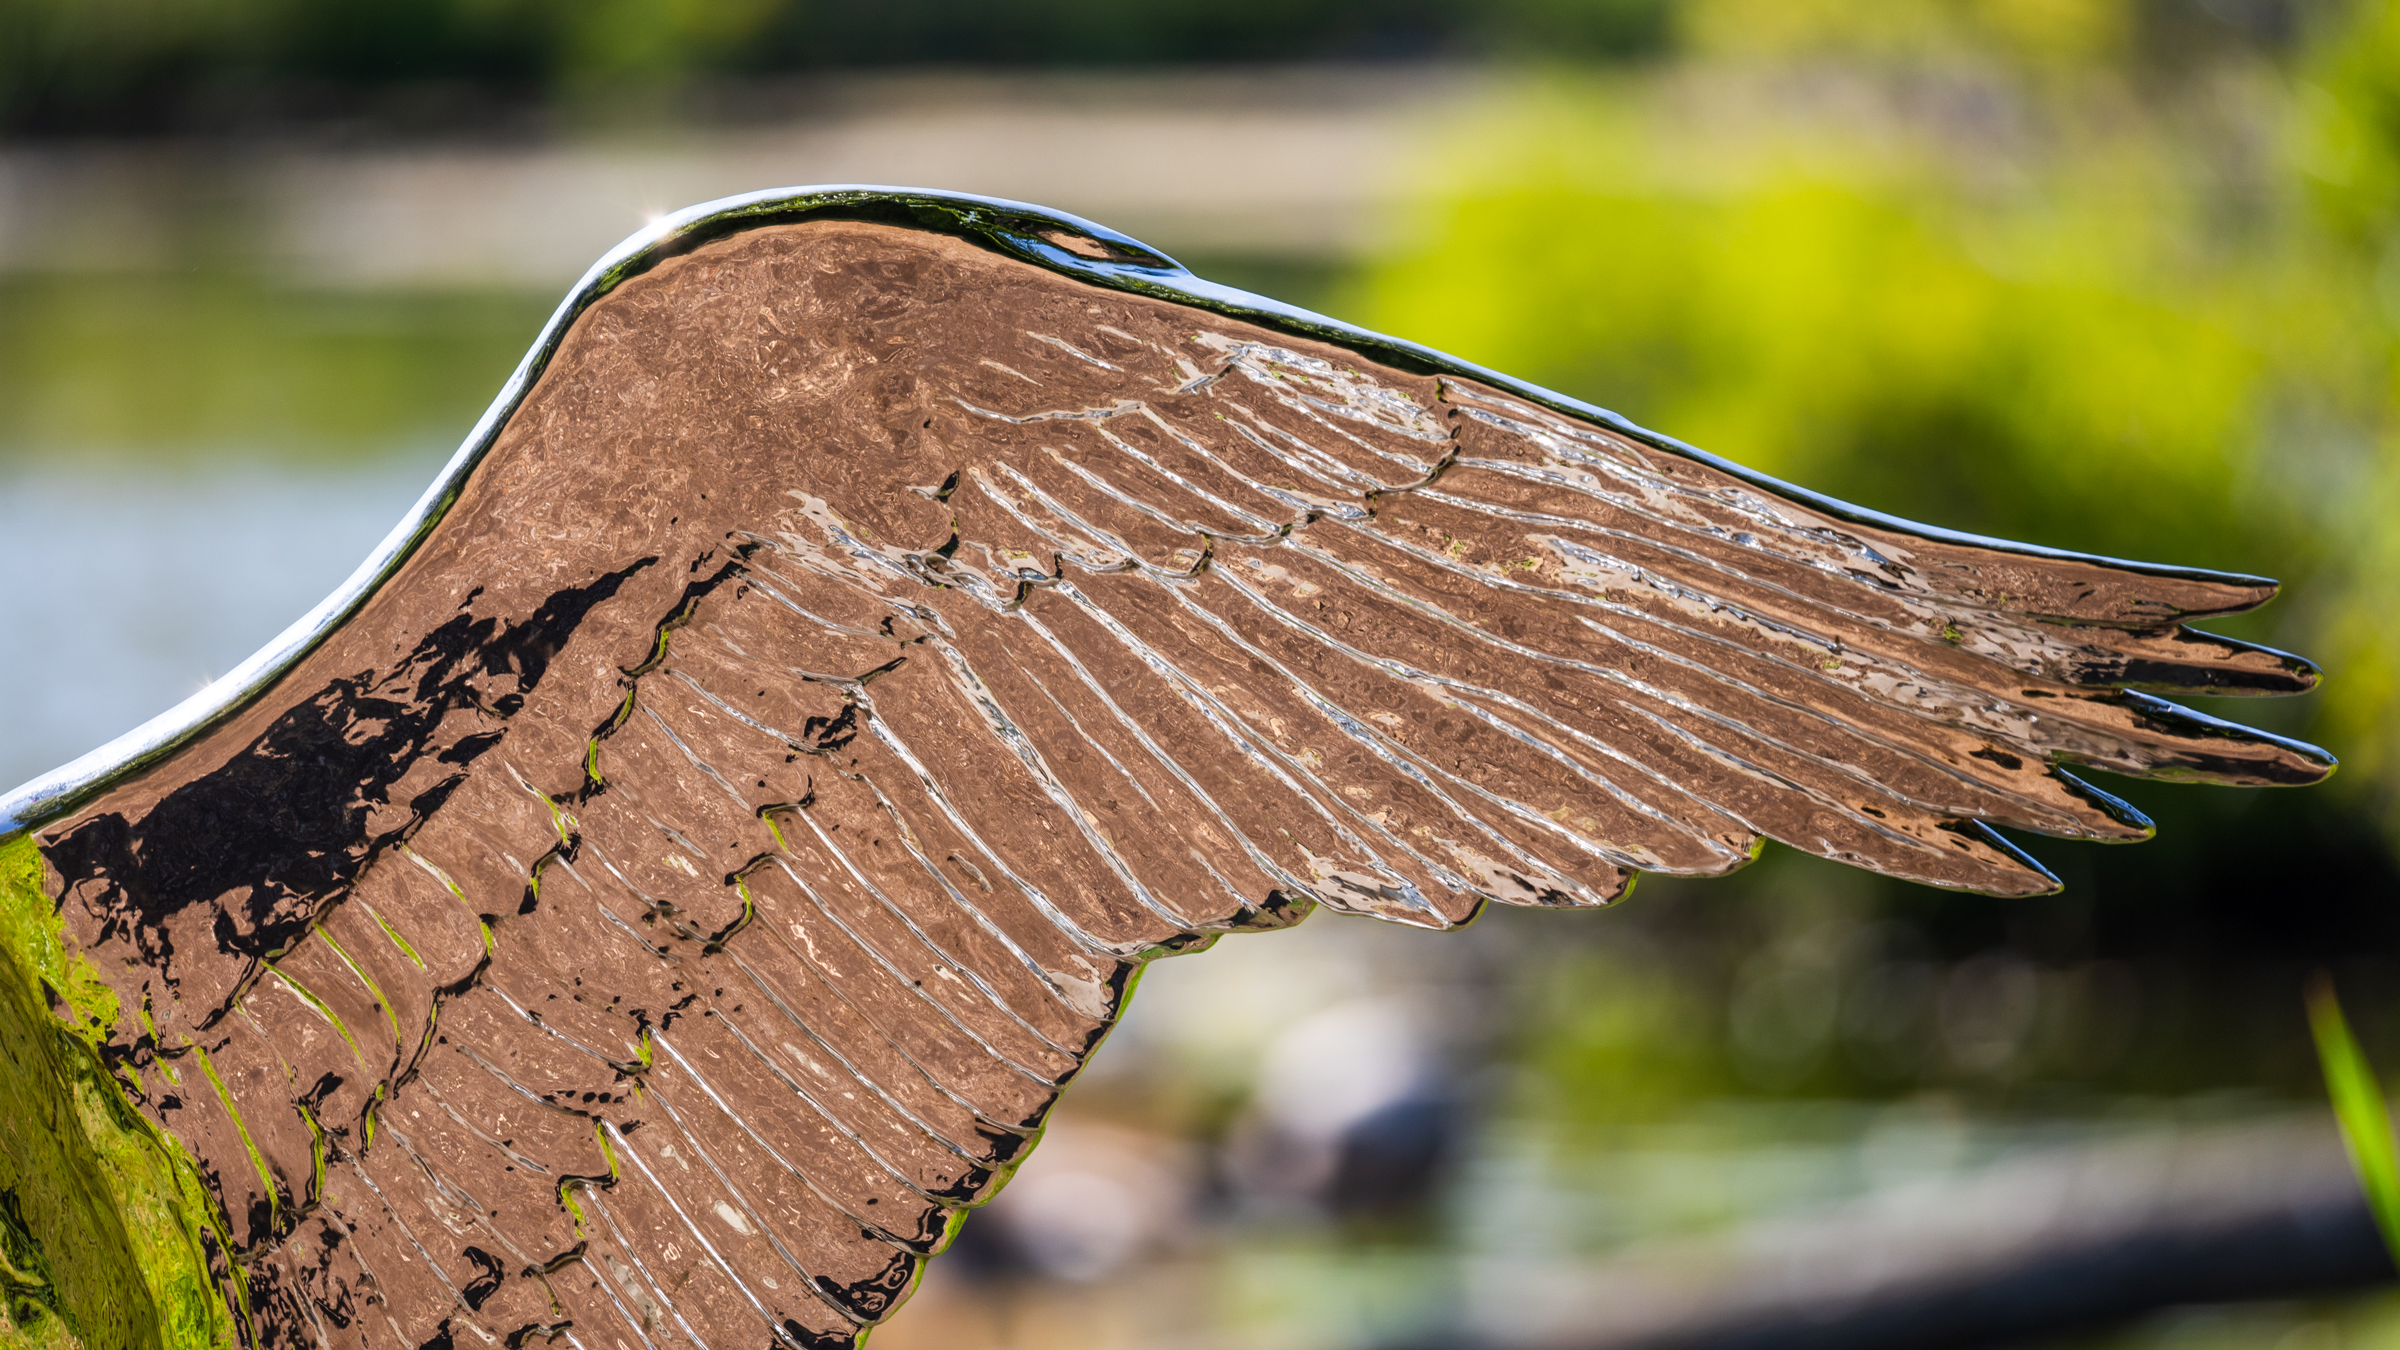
(83, 65)
(2007, 284)
(69, 65)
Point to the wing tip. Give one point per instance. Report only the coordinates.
(2272, 761)
(2322, 761)
(2025, 876)
(2138, 827)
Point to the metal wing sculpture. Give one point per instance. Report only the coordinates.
(674, 879)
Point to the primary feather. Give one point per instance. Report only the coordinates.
(687, 881)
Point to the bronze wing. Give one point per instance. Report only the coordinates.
(676, 879)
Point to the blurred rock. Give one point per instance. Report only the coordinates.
(1091, 1200)
(1356, 1114)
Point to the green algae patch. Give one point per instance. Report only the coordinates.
(100, 1216)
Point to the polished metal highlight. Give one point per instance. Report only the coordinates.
(676, 876)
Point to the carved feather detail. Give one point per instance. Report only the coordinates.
(682, 886)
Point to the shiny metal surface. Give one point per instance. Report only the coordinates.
(679, 873)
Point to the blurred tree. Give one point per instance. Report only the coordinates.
(1567, 29)
(2043, 30)
(147, 65)
(120, 65)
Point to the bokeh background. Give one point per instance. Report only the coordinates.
(2114, 275)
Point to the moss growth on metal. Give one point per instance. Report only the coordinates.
(101, 1217)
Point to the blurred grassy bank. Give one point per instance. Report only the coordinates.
(190, 368)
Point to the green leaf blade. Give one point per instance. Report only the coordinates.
(2358, 1105)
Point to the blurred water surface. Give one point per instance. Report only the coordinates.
(144, 585)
